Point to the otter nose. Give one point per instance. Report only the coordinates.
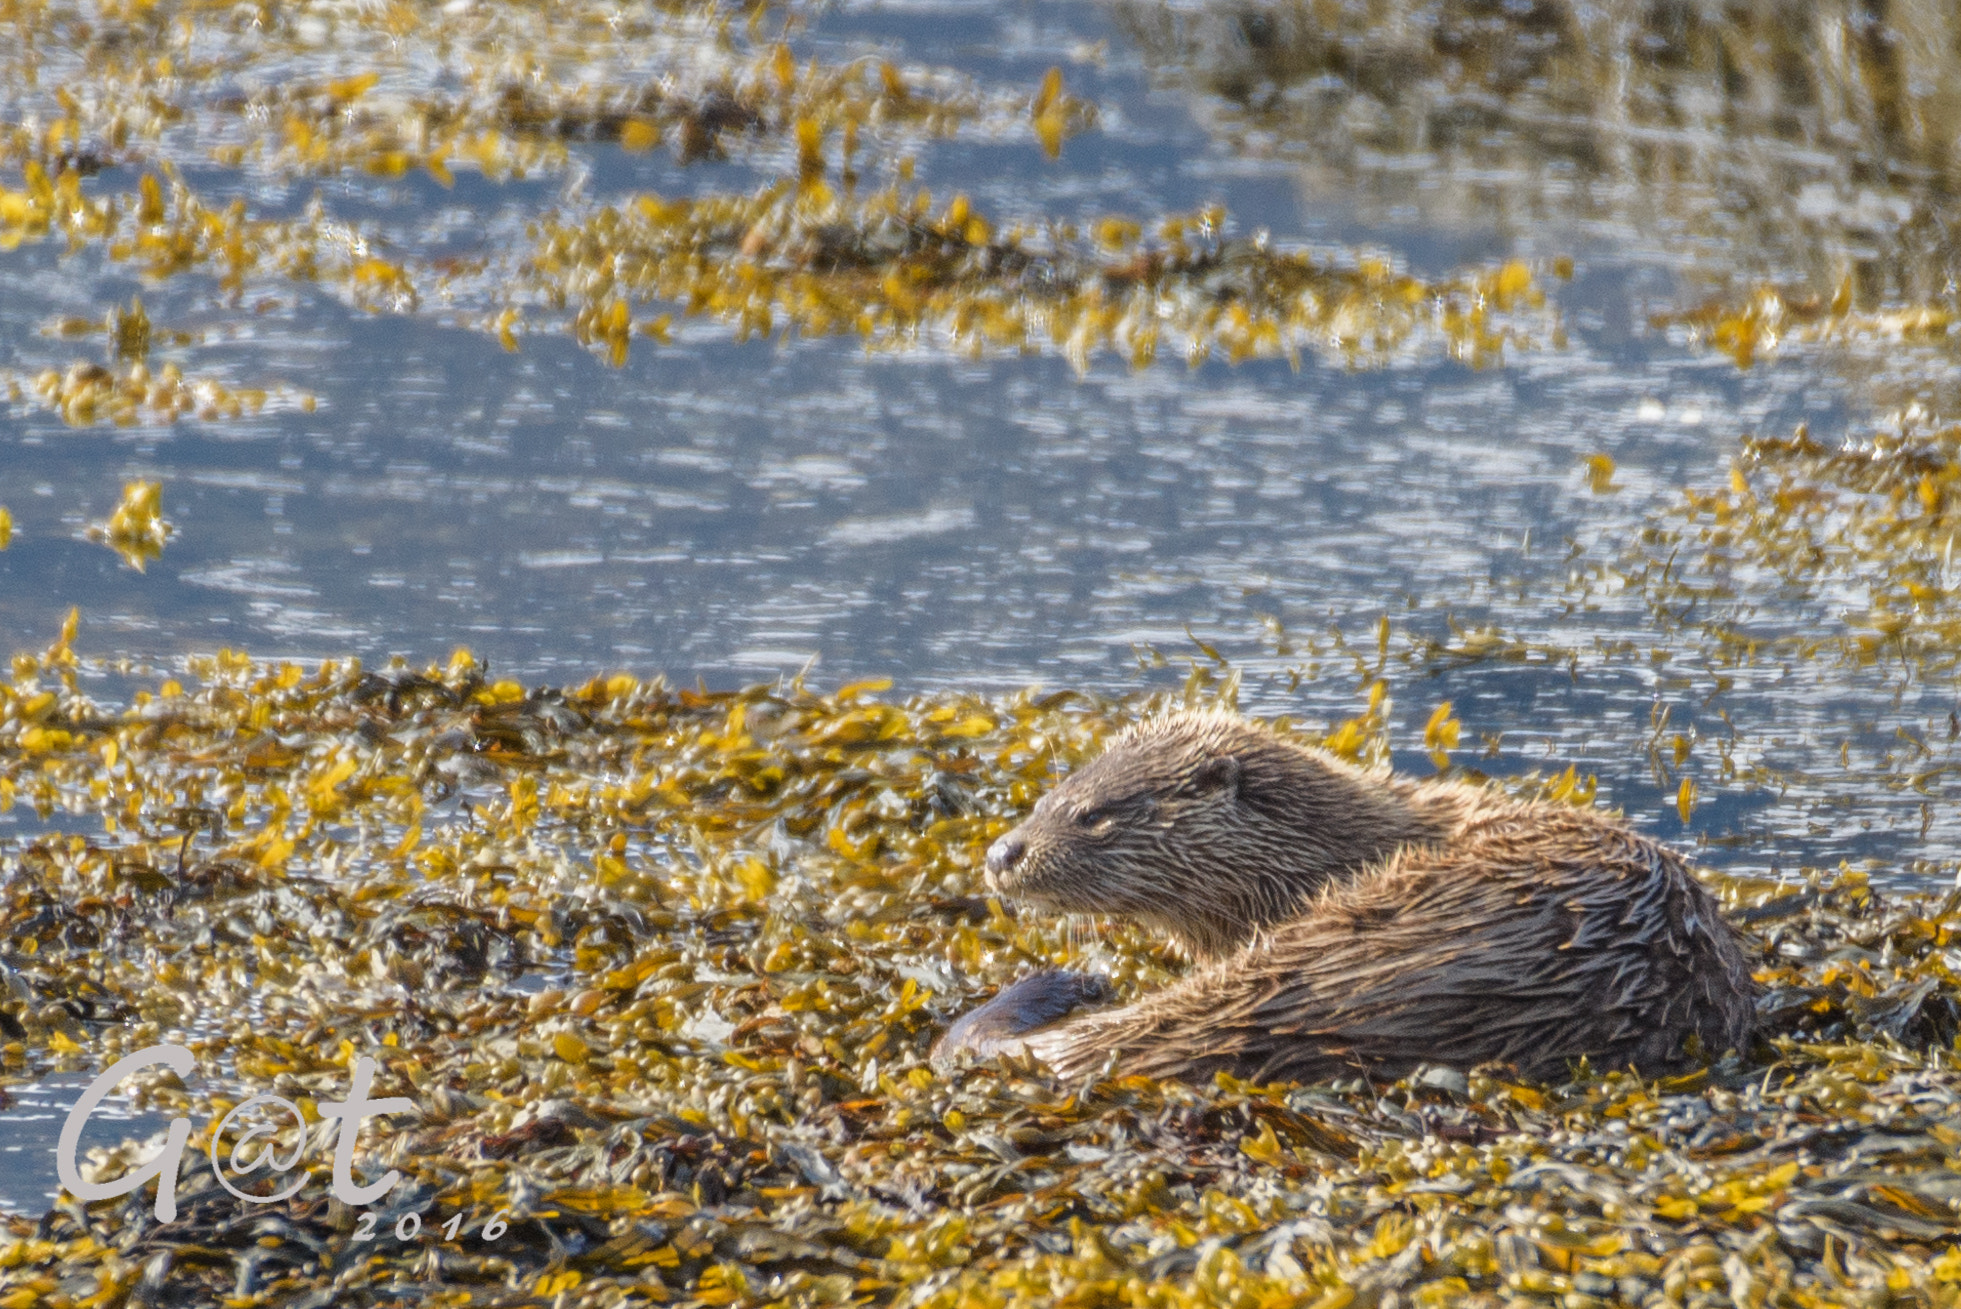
(1006, 853)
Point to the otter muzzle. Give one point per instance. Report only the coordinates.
(1005, 853)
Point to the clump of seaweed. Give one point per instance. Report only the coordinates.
(163, 233)
(890, 269)
(660, 968)
(1756, 327)
(1863, 530)
(126, 391)
(137, 530)
(885, 266)
(521, 125)
(88, 393)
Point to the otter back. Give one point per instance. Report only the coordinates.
(1539, 935)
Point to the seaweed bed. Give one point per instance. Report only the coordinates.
(752, 912)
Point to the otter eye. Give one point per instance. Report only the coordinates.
(1098, 820)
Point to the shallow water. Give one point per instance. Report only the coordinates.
(739, 512)
(32, 1126)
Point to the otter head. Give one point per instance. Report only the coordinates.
(1204, 825)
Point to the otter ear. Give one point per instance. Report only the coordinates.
(1221, 773)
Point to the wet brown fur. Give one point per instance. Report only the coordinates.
(1343, 919)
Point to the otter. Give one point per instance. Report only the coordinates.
(1346, 920)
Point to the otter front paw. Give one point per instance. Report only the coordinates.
(1036, 1001)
